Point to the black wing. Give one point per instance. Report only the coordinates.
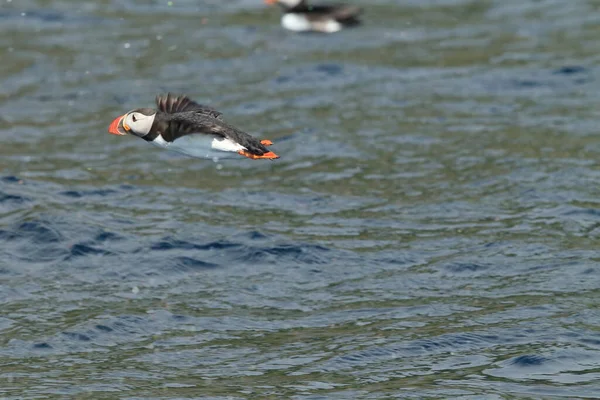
(339, 12)
(193, 122)
(345, 13)
(172, 104)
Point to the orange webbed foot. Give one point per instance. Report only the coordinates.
(268, 155)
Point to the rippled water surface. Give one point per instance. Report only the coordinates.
(431, 230)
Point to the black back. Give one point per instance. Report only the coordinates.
(343, 13)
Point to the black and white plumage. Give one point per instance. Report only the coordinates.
(299, 16)
(187, 127)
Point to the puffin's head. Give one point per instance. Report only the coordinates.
(285, 3)
(137, 122)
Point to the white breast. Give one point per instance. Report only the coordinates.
(201, 146)
(299, 23)
(295, 22)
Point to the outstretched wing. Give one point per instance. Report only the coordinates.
(339, 12)
(195, 123)
(345, 12)
(172, 104)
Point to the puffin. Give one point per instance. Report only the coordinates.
(182, 125)
(299, 16)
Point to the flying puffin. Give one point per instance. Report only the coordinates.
(187, 127)
(299, 16)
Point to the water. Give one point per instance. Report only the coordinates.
(430, 231)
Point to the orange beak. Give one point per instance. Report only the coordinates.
(270, 1)
(116, 127)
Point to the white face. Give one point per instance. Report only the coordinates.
(137, 123)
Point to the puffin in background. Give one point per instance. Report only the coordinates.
(299, 16)
(184, 126)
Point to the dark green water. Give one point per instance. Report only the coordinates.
(430, 231)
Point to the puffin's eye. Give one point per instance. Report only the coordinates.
(133, 118)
